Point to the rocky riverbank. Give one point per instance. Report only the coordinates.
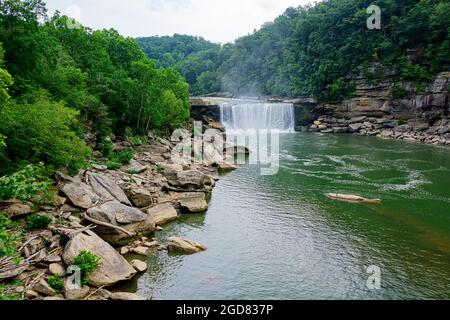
(110, 214)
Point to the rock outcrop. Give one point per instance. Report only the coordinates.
(391, 109)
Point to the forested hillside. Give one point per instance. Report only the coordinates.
(310, 51)
(194, 57)
(60, 80)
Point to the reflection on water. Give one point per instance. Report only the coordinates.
(279, 237)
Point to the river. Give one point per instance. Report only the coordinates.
(280, 237)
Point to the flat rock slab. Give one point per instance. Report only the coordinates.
(194, 202)
(113, 267)
(116, 213)
(126, 296)
(162, 214)
(184, 246)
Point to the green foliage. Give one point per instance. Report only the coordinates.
(2, 141)
(106, 147)
(308, 50)
(35, 222)
(25, 183)
(137, 140)
(402, 122)
(68, 81)
(122, 157)
(399, 92)
(7, 292)
(88, 263)
(43, 132)
(112, 165)
(55, 282)
(10, 237)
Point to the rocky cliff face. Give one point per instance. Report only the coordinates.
(388, 109)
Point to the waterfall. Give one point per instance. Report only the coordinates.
(244, 115)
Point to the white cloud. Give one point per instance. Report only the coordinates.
(216, 20)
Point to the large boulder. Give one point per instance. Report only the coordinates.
(89, 189)
(140, 197)
(79, 193)
(184, 246)
(162, 214)
(15, 208)
(105, 188)
(193, 202)
(190, 179)
(128, 218)
(113, 267)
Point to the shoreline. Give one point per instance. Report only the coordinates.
(114, 214)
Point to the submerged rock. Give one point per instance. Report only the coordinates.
(351, 198)
(184, 246)
(113, 267)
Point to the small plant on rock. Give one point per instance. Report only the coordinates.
(88, 263)
(56, 283)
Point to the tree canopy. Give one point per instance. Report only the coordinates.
(312, 50)
(59, 79)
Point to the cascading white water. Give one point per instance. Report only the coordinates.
(244, 115)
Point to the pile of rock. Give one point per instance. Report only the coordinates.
(100, 209)
(386, 127)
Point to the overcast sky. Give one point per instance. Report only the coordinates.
(216, 20)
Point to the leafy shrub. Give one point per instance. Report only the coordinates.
(112, 165)
(106, 147)
(55, 282)
(402, 122)
(399, 92)
(38, 222)
(123, 157)
(9, 237)
(25, 184)
(137, 140)
(2, 141)
(42, 131)
(88, 263)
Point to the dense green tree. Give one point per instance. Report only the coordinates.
(312, 50)
(78, 80)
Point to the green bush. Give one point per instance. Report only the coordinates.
(10, 237)
(112, 165)
(123, 157)
(399, 92)
(25, 183)
(106, 147)
(88, 263)
(55, 282)
(42, 131)
(137, 140)
(38, 222)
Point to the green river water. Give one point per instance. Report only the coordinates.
(279, 237)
